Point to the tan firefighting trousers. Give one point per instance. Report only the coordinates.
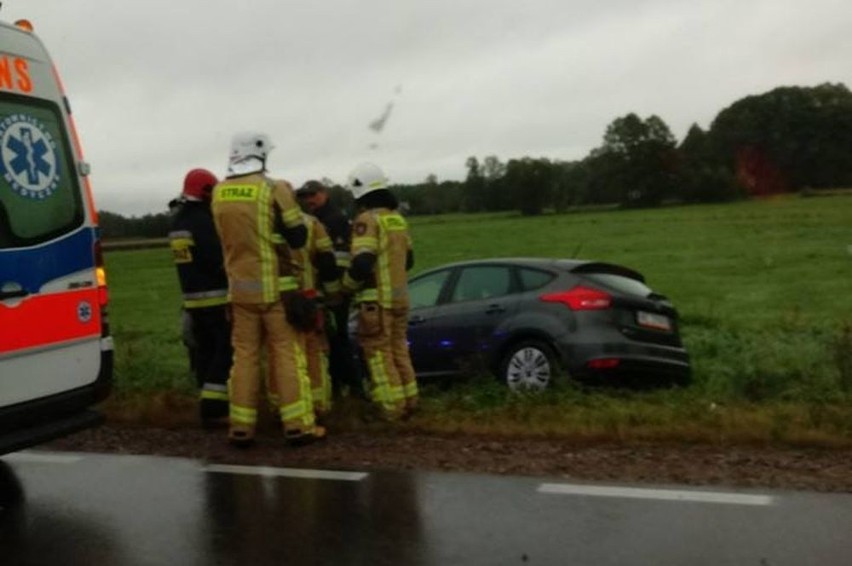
(316, 358)
(316, 350)
(382, 337)
(253, 325)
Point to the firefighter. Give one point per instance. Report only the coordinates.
(345, 374)
(198, 258)
(316, 273)
(381, 256)
(245, 207)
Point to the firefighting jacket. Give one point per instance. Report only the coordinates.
(381, 248)
(198, 256)
(339, 229)
(244, 210)
(315, 262)
(312, 268)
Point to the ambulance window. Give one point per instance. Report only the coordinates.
(39, 194)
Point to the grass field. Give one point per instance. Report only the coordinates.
(764, 289)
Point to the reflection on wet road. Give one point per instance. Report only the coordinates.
(63, 508)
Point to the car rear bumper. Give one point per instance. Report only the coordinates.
(627, 364)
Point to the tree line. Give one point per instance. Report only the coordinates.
(788, 139)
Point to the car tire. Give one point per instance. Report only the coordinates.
(529, 365)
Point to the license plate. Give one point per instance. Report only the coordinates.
(655, 321)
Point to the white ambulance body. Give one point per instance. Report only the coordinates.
(55, 347)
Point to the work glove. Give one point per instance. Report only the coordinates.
(301, 311)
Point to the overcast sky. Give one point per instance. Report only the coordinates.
(159, 87)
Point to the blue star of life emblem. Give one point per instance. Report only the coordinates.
(28, 157)
(84, 312)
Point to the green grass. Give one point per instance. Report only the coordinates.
(145, 321)
(763, 287)
(482, 406)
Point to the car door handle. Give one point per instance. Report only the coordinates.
(495, 309)
(415, 320)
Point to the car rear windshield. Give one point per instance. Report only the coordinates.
(620, 283)
(39, 193)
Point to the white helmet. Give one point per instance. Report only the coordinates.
(248, 153)
(366, 178)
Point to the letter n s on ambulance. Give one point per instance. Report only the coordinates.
(55, 346)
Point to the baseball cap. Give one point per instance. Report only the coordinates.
(310, 187)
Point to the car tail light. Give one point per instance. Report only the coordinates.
(580, 299)
(603, 363)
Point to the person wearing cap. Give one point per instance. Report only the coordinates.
(198, 258)
(248, 206)
(345, 373)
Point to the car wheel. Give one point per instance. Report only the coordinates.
(528, 365)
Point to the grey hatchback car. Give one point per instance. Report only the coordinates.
(527, 318)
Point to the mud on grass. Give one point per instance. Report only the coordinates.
(580, 418)
(505, 442)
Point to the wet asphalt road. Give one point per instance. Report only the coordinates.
(86, 509)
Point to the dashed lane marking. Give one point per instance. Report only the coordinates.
(286, 472)
(658, 494)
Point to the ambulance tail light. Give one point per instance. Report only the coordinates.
(100, 272)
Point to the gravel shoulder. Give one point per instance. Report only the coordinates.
(808, 469)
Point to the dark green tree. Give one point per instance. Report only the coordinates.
(529, 184)
(637, 161)
(475, 193)
(786, 139)
(568, 183)
(700, 178)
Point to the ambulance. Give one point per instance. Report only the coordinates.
(55, 345)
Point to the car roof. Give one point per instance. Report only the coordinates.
(570, 265)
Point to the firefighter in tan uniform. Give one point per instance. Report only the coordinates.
(381, 257)
(315, 271)
(245, 207)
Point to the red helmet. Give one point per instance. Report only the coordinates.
(198, 184)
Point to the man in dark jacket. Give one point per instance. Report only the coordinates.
(198, 258)
(314, 198)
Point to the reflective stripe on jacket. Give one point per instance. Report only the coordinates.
(244, 210)
(197, 255)
(305, 259)
(384, 233)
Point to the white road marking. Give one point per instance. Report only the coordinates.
(286, 472)
(659, 494)
(28, 457)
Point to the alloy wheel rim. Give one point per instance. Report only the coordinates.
(528, 368)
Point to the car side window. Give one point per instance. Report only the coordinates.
(424, 291)
(482, 282)
(534, 278)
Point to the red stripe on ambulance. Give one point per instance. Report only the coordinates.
(50, 319)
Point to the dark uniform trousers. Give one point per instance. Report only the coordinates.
(212, 357)
(342, 366)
